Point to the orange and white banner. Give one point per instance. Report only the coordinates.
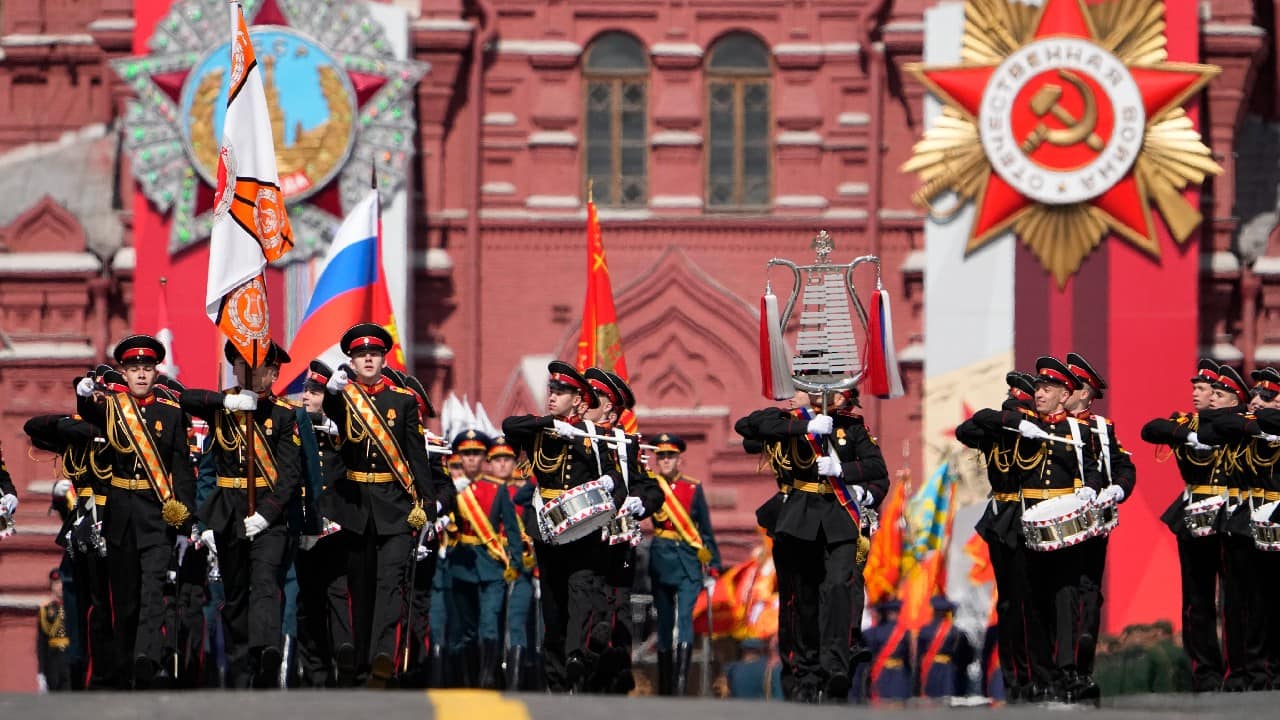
(250, 226)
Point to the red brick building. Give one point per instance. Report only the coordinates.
(717, 135)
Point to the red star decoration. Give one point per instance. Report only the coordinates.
(1163, 87)
(966, 412)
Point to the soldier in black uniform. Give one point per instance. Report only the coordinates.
(1050, 468)
(818, 534)
(1119, 476)
(325, 648)
(1244, 609)
(386, 497)
(644, 497)
(80, 448)
(571, 573)
(1199, 558)
(148, 506)
(52, 664)
(1266, 491)
(1023, 650)
(251, 546)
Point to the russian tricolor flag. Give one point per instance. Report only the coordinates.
(352, 288)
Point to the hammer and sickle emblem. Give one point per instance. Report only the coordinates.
(1045, 102)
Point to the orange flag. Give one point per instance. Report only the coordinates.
(884, 561)
(600, 344)
(981, 573)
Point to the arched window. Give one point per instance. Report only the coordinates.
(615, 73)
(739, 151)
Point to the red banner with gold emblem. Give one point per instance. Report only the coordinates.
(600, 343)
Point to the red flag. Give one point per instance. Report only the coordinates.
(883, 571)
(600, 344)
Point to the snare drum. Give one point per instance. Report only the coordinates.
(1106, 517)
(577, 513)
(1057, 523)
(1201, 516)
(624, 528)
(1266, 534)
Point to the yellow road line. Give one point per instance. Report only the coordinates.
(475, 705)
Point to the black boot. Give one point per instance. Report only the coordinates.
(489, 654)
(666, 672)
(345, 658)
(515, 671)
(267, 674)
(680, 683)
(380, 671)
(471, 658)
(435, 673)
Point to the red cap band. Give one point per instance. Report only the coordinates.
(1267, 385)
(1055, 375)
(1083, 376)
(1019, 394)
(1231, 384)
(569, 380)
(138, 353)
(1208, 375)
(368, 341)
(601, 387)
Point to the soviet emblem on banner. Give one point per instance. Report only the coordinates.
(1064, 123)
(338, 98)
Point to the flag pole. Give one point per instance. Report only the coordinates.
(251, 431)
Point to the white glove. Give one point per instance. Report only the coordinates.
(1193, 439)
(42, 685)
(9, 503)
(206, 538)
(243, 401)
(460, 484)
(61, 487)
(254, 524)
(709, 583)
(306, 542)
(819, 425)
(829, 466)
(1273, 439)
(862, 495)
(442, 523)
(608, 483)
(564, 429)
(329, 426)
(632, 505)
(421, 552)
(337, 381)
(1031, 430)
(88, 504)
(1111, 493)
(1086, 494)
(84, 388)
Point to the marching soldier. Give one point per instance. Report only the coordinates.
(79, 447)
(1053, 461)
(148, 507)
(502, 466)
(1249, 454)
(1024, 658)
(481, 564)
(889, 675)
(1119, 475)
(326, 651)
(644, 497)
(52, 665)
(943, 654)
(251, 545)
(564, 458)
(1199, 557)
(682, 555)
(386, 496)
(835, 471)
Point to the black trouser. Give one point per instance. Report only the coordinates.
(93, 605)
(1200, 561)
(828, 595)
(786, 579)
(1243, 614)
(1023, 646)
(377, 567)
(614, 673)
(137, 602)
(1056, 580)
(253, 580)
(185, 623)
(324, 617)
(1095, 562)
(1269, 580)
(571, 600)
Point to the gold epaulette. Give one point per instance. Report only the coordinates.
(401, 390)
(286, 404)
(167, 401)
